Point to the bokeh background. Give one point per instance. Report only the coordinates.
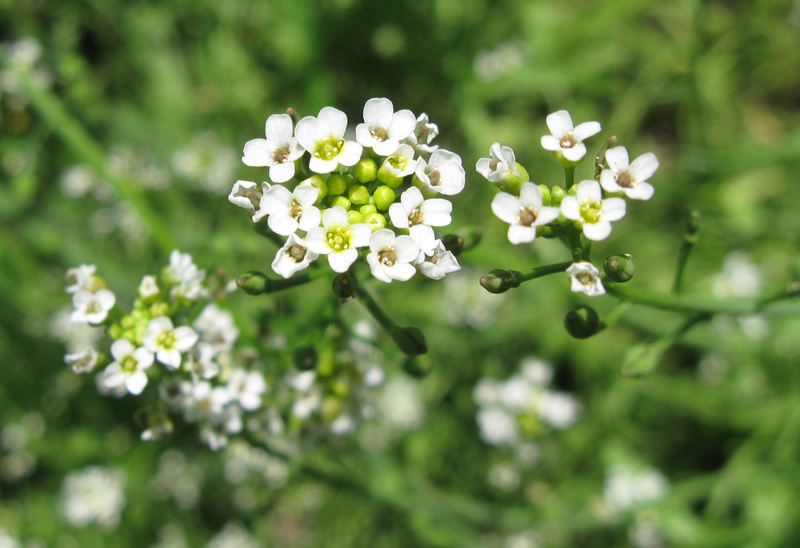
(121, 129)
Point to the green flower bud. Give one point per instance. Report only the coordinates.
(326, 362)
(344, 286)
(582, 322)
(305, 358)
(127, 322)
(375, 220)
(358, 194)
(366, 209)
(336, 184)
(319, 183)
(418, 367)
(387, 177)
(499, 281)
(521, 172)
(253, 283)
(557, 194)
(366, 170)
(453, 243)
(546, 198)
(384, 197)
(409, 340)
(354, 217)
(115, 331)
(341, 201)
(619, 268)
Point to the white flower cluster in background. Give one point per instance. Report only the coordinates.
(17, 460)
(93, 495)
(331, 196)
(522, 407)
(628, 487)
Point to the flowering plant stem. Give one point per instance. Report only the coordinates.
(280, 284)
(569, 177)
(689, 239)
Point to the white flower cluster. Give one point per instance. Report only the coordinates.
(522, 406)
(628, 487)
(93, 495)
(589, 206)
(391, 169)
(199, 375)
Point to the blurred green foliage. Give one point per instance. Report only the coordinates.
(712, 88)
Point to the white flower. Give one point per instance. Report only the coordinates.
(501, 164)
(424, 133)
(83, 361)
(383, 129)
(620, 176)
(148, 287)
(498, 426)
(128, 367)
(442, 173)
(185, 273)
(168, 342)
(566, 138)
(323, 137)
(289, 210)
(278, 151)
(338, 239)
(592, 212)
(217, 328)
(585, 278)
(200, 361)
(390, 256)
(434, 260)
(81, 278)
(399, 164)
(414, 210)
(205, 402)
(557, 409)
(523, 214)
(92, 307)
(247, 195)
(293, 257)
(246, 387)
(94, 494)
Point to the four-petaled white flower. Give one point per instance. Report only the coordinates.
(414, 210)
(434, 260)
(523, 214)
(278, 151)
(423, 134)
(293, 257)
(185, 273)
(390, 256)
(247, 195)
(83, 361)
(585, 278)
(323, 138)
(501, 164)
(399, 164)
(128, 367)
(566, 138)
(92, 307)
(630, 178)
(338, 239)
(148, 287)
(383, 128)
(289, 211)
(590, 211)
(246, 387)
(168, 342)
(442, 173)
(81, 278)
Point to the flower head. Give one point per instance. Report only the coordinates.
(168, 342)
(278, 151)
(293, 257)
(390, 256)
(442, 173)
(128, 367)
(585, 278)
(590, 211)
(83, 361)
(424, 132)
(524, 214)
(383, 129)
(620, 176)
(323, 138)
(567, 139)
(338, 239)
(434, 260)
(247, 195)
(290, 210)
(414, 209)
(501, 164)
(92, 307)
(82, 278)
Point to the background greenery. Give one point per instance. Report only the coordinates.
(712, 88)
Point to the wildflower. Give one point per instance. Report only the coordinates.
(216, 327)
(424, 132)
(338, 239)
(92, 307)
(497, 426)
(168, 342)
(566, 139)
(434, 260)
(501, 164)
(442, 173)
(390, 256)
(289, 210)
(185, 273)
(590, 211)
(323, 138)
(247, 195)
(128, 367)
(246, 388)
(620, 176)
(585, 278)
(414, 209)
(93, 495)
(293, 257)
(148, 288)
(204, 402)
(83, 361)
(383, 129)
(82, 278)
(399, 164)
(523, 214)
(278, 151)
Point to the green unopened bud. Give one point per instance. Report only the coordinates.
(546, 198)
(582, 322)
(619, 268)
(418, 367)
(366, 170)
(642, 359)
(384, 196)
(319, 183)
(544, 231)
(387, 176)
(366, 209)
(521, 172)
(499, 281)
(253, 283)
(354, 217)
(326, 362)
(358, 194)
(453, 243)
(341, 201)
(375, 220)
(692, 226)
(557, 194)
(344, 286)
(305, 358)
(336, 185)
(409, 340)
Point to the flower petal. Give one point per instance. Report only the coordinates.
(256, 153)
(642, 191)
(644, 166)
(378, 113)
(612, 209)
(278, 129)
(586, 130)
(518, 234)
(617, 159)
(341, 261)
(506, 207)
(597, 231)
(559, 123)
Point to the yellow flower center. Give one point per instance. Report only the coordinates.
(166, 340)
(339, 238)
(387, 256)
(590, 211)
(329, 148)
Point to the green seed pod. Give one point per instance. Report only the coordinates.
(336, 185)
(619, 268)
(305, 358)
(366, 170)
(582, 322)
(253, 283)
(341, 201)
(319, 183)
(499, 281)
(358, 194)
(387, 177)
(418, 367)
(409, 340)
(384, 196)
(344, 286)
(453, 243)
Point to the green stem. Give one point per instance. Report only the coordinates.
(569, 176)
(373, 308)
(85, 147)
(540, 271)
(264, 230)
(575, 245)
(689, 239)
(616, 314)
(308, 277)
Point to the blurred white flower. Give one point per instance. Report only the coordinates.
(740, 278)
(93, 495)
(627, 488)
